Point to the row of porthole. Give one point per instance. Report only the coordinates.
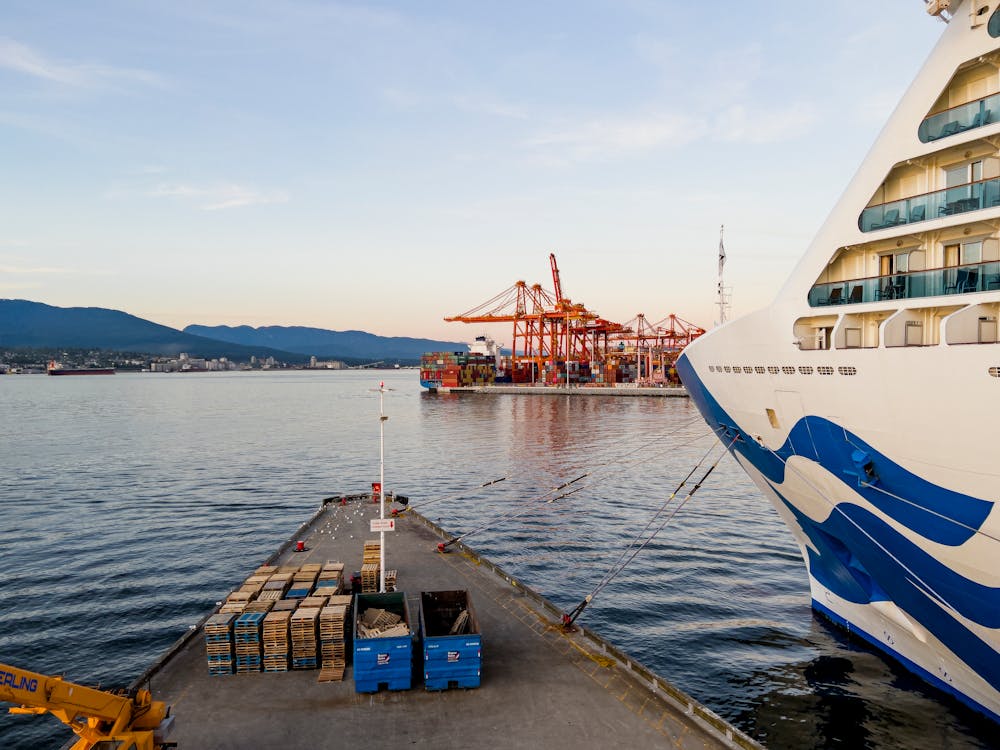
(786, 370)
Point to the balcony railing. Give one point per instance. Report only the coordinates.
(959, 119)
(972, 196)
(975, 277)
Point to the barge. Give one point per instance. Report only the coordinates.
(540, 686)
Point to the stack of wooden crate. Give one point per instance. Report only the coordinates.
(246, 637)
(390, 580)
(304, 623)
(331, 578)
(333, 647)
(303, 581)
(276, 644)
(219, 644)
(235, 603)
(370, 564)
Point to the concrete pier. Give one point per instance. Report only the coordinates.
(673, 391)
(540, 687)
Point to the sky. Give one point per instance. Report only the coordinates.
(378, 166)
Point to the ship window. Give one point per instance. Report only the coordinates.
(788, 370)
(993, 27)
(759, 370)
(773, 370)
(806, 370)
(995, 372)
(824, 370)
(849, 370)
(728, 368)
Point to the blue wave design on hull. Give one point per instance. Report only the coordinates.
(858, 556)
(936, 513)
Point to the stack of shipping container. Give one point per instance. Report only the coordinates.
(456, 369)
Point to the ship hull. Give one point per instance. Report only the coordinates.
(88, 371)
(894, 522)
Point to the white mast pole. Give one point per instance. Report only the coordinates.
(381, 479)
(722, 288)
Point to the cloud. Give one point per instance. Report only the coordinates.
(23, 59)
(33, 270)
(738, 124)
(607, 137)
(219, 197)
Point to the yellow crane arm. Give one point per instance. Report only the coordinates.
(95, 715)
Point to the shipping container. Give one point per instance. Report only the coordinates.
(452, 641)
(382, 661)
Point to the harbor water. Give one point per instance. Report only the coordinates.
(130, 504)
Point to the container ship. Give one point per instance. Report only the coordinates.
(863, 400)
(56, 368)
(481, 365)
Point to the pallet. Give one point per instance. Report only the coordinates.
(331, 674)
(369, 578)
(372, 552)
(313, 602)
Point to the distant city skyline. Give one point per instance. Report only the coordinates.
(353, 166)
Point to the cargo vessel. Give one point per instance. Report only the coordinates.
(56, 368)
(863, 400)
(481, 365)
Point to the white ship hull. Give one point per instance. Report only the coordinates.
(904, 554)
(865, 401)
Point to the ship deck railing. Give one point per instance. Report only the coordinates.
(964, 279)
(958, 199)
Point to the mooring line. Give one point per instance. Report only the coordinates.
(632, 550)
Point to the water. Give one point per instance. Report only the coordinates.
(130, 504)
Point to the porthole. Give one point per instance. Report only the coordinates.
(824, 370)
(773, 370)
(806, 370)
(788, 370)
(849, 370)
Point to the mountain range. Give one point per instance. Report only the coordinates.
(28, 324)
(326, 344)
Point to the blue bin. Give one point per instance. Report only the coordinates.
(450, 660)
(382, 662)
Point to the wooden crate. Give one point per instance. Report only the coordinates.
(369, 578)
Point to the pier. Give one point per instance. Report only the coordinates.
(541, 686)
(673, 391)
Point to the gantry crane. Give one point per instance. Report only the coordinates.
(124, 722)
(552, 332)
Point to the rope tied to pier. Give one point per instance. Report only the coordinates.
(457, 495)
(635, 546)
(615, 465)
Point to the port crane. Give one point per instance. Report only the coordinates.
(101, 719)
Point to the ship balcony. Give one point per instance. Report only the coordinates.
(934, 282)
(972, 196)
(958, 119)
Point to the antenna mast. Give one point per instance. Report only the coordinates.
(723, 293)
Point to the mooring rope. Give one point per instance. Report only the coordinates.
(533, 502)
(635, 547)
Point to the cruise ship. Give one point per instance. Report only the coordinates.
(865, 400)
